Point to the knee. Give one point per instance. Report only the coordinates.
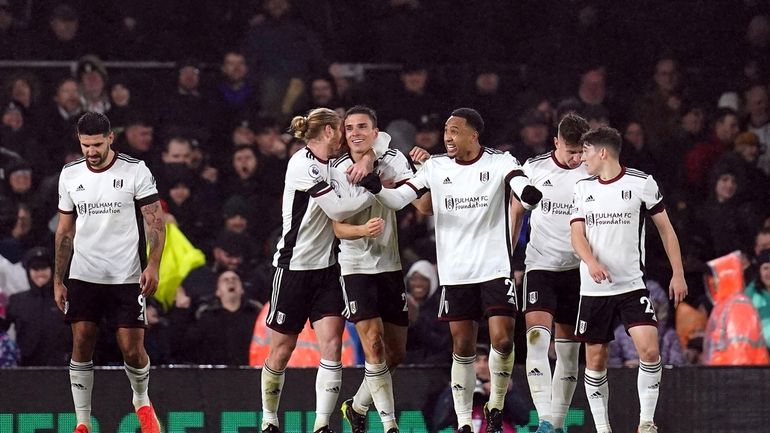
(280, 354)
(649, 355)
(135, 356)
(463, 345)
(503, 345)
(331, 349)
(375, 346)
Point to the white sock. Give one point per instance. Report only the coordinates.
(648, 386)
(500, 368)
(564, 379)
(539, 370)
(328, 381)
(272, 384)
(598, 393)
(363, 398)
(463, 382)
(82, 383)
(140, 382)
(380, 384)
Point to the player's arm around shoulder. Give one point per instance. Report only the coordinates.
(346, 231)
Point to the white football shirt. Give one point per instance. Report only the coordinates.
(472, 214)
(614, 214)
(549, 247)
(307, 240)
(373, 255)
(109, 244)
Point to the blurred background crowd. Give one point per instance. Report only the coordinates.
(203, 92)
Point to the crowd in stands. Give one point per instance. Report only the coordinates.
(693, 108)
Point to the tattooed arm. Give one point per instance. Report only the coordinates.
(65, 234)
(155, 228)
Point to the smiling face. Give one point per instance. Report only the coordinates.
(460, 138)
(96, 149)
(360, 133)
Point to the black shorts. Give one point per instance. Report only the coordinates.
(122, 305)
(557, 293)
(598, 316)
(375, 295)
(301, 295)
(478, 301)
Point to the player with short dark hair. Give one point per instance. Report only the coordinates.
(607, 232)
(552, 281)
(373, 285)
(105, 249)
(470, 194)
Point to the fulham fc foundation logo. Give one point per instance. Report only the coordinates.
(117, 183)
(484, 176)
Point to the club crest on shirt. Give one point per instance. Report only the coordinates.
(545, 205)
(314, 171)
(117, 183)
(484, 176)
(626, 194)
(590, 219)
(82, 208)
(532, 297)
(582, 327)
(449, 203)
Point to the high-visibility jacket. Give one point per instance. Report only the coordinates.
(179, 258)
(734, 331)
(307, 352)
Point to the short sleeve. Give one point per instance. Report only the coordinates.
(400, 169)
(304, 174)
(577, 211)
(651, 196)
(65, 201)
(510, 166)
(527, 169)
(145, 190)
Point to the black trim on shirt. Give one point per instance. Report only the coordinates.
(658, 208)
(144, 201)
(298, 209)
(317, 189)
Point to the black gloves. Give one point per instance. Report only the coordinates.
(530, 196)
(372, 182)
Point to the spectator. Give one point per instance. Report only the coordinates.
(533, 136)
(691, 320)
(13, 38)
(92, 76)
(758, 291)
(761, 243)
(121, 103)
(64, 39)
(412, 99)
(622, 350)
(701, 159)
(137, 139)
(230, 252)
(221, 335)
(186, 107)
(659, 108)
(635, 152)
(281, 53)
(758, 121)
(192, 210)
(23, 88)
(743, 160)
(234, 96)
(17, 134)
(428, 340)
(42, 335)
(724, 220)
(429, 135)
(57, 123)
(488, 98)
